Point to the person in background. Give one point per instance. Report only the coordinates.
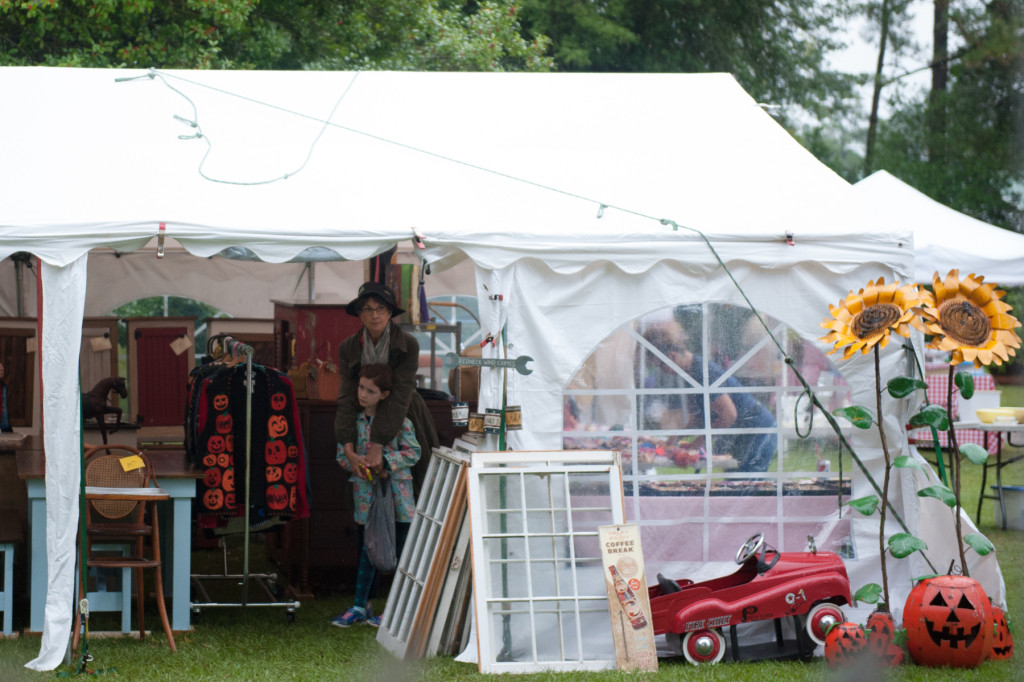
(399, 455)
(5, 424)
(752, 452)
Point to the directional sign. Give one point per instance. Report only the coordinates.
(518, 364)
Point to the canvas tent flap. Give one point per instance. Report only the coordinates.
(944, 238)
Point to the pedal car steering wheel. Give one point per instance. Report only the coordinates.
(750, 548)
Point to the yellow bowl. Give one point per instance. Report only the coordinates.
(1018, 412)
(987, 415)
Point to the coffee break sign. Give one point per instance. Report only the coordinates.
(629, 605)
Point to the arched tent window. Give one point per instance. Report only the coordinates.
(716, 441)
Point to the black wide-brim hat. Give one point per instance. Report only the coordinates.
(375, 290)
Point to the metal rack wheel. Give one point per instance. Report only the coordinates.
(821, 618)
(704, 646)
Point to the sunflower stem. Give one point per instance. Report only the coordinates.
(885, 479)
(955, 453)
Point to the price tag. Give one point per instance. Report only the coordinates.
(180, 345)
(132, 462)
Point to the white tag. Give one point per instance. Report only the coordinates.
(180, 345)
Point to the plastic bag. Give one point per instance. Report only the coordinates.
(380, 528)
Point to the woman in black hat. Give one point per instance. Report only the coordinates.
(380, 340)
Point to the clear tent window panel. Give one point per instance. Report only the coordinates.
(540, 595)
(717, 435)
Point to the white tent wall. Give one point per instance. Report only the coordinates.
(560, 190)
(944, 238)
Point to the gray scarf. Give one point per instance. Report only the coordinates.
(376, 354)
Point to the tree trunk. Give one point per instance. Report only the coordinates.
(940, 74)
(876, 95)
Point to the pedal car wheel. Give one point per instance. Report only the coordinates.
(821, 618)
(704, 646)
(750, 548)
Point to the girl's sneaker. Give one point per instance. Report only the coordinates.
(374, 621)
(352, 616)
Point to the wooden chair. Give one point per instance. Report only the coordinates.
(121, 508)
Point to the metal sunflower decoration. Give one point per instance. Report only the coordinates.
(862, 322)
(867, 319)
(967, 317)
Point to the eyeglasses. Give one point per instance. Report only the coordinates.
(371, 310)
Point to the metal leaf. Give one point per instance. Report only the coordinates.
(904, 544)
(974, 452)
(901, 387)
(870, 593)
(865, 505)
(856, 415)
(939, 492)
(965, 382)
(979, 543)
(931, 415)
(907, 462)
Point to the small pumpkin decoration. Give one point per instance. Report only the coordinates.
(274, 452)
(277, 426)
(278, 401)
(224, 423)
(210, 460)
(229, 500)
(229, 442)
(215, 444)
(277, 497)
(292, 496)
(293, 451)
(213, 498)
(227, 480)
(224, 460)
(212, 477)
(844, 642)
(273, 474)
(881, 633)
(1002, 640)
(291, 472)
(948, 619)
(220, 402)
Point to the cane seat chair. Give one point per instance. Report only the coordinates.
(121, 508)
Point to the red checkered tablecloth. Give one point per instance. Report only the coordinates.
(938, 385)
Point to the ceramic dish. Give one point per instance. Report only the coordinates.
(988, 415)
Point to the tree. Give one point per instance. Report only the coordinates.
(268, 34)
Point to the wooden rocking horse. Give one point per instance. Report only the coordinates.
(96, 405)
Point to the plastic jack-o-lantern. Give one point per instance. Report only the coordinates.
(881, 632)
(277, 497)
(278, 401)
(948, 620)
(274, 452)
(277, 426)
(844, 644)
(1002, 640)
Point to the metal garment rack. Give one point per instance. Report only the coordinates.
(264, 580)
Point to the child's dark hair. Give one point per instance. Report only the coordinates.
(379, 374)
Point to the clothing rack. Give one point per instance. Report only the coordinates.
(226, 346)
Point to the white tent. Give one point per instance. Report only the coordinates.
(563, 191)
(944, 238)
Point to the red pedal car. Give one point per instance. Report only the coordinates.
(769, 586)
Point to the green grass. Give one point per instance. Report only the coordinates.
(260, 643)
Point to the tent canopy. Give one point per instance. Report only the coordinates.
(944, 238)
(586, 200)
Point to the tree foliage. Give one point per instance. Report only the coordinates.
(268, 34)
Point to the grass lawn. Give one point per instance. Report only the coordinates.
(260, 644)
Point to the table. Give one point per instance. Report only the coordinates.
(174, 473)
(938, 385)
(998, 429)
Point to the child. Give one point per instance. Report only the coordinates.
(398, 458)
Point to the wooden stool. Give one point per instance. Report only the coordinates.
(10, 533)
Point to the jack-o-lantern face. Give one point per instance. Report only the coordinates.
(220, 402)
(229, 500)
(881, 630)
(843, 643)
(212, 477)
(213, 498)
(229, 442)
(224, 423)
(277, 497)
(215, 444)
(224, 460)
(210, 460)
(948, 620)
(1002, 641)
(278, 401)
(293, 451)
(277, 426)
(273, 474)
(274, 452)
(291, 472)
(292, 496)
(227, 481)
